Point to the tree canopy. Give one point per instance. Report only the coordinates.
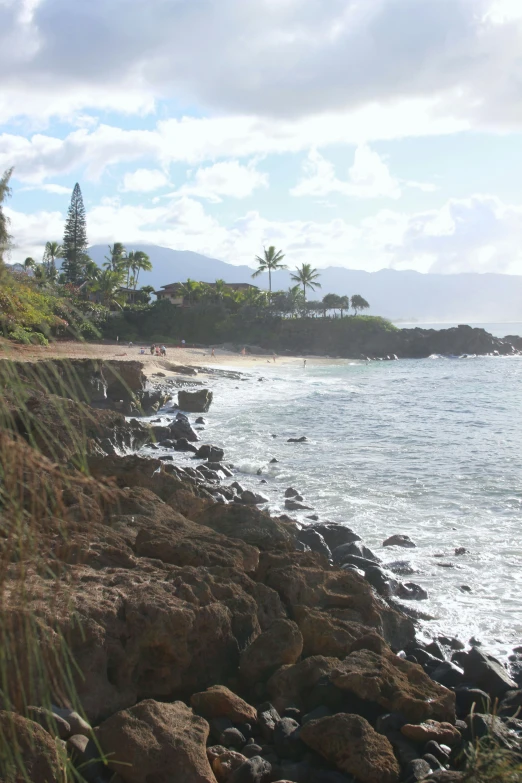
(5, 237)
(270, 261)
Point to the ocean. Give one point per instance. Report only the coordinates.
(429, 448)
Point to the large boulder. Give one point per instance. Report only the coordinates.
(27, 752)
(291, 685)
(333, 633)
(220, 702)
(305, 579)
(487, 673)
(181, 428)
(156, 741)
(396, 684)
(249, 524)
(280, 644)
(353, 746)
(195, 402)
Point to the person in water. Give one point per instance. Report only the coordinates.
(304, 364)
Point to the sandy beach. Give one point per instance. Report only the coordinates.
(192, 357)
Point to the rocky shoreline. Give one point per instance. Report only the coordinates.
(211, 641)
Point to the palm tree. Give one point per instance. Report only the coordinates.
(191, 289)
(269, 262)
(307, 277)
(108, 285)
(358, 303)
(5, 236)
(29, 263)
(136, 261)
(344, 304)
(53, 250)
(117, 258)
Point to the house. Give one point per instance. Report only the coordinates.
(176, 293)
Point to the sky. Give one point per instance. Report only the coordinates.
(357, 133)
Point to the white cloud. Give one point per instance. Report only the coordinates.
(259, 56)
(227, 178)
(368, 177)
(145, 180)
(476, 234)
(58, 190)
(195, 140)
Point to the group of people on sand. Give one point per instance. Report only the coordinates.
(158, 350)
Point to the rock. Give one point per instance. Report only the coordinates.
(287, 741)
(302, 439)
(160, 433)
(511, 704)
(182, 444)
(267, 717)
(85, 755)
(249, 524)
(253, 498)
(182, 429)
(232, 738)
(399, 540)
(201, 420)
(273, 461)
(443, 733)
(401, 568)
(255, 770)
(314, 541)
(294, 505)
(448, 674)
(446, 776)
(354, 548)
(52, 723)
(506, 735)
(395, 684)
(220, 702)
(214, 751)
(77, 724)
(225, 764)
(29, 753)
(416, 770)
(442, 755)
(332, 634)
(384, 583)
(195, 402)
(350, 743)
(211, 453)
(319, 712)
(252, 750)
(409, 591)
(487, 673)
(291, 493)
(291, 685)
(155, 739)
(335, 534)
(279, 645)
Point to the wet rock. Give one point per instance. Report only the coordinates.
(350, 743)
(302, 439)
(459, 551)
(505, 734)
(225, 764)
(511, 704)
(443, 733)
(273, 461)
(395, 684)
(446, 776)
(358, 562)
(220, 702)
(402, 568)
(442, 755)
(182, 444)
(182, 429)
(353, 549)
(201, 420)
(157, 738)
(384, 583)
(448, 674)
(410, 591)
(291, 493)
(253, 498)
(255, 770)
(399, 540)
(220, 468)
(211, 453)
(195, 402)
(314, 541)
(335, 534)
(295, 505)
(487, 673)
(33, 748)
(160, 433)
(279, 645)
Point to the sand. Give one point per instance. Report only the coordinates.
(192, 357)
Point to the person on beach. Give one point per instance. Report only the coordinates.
(243, 352)
(157, 350)
(163, 350)
(213, 354)
(304, 364)
(274, 357)
(183, 343)
(152, 349)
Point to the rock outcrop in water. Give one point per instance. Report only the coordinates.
(206, 647)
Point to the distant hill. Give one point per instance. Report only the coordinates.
(407, 295)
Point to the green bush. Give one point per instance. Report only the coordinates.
(24, 336)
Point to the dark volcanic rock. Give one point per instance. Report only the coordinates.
(487, 673)
(181, 428)
(211, 453)
(195, 402)
(335, 534)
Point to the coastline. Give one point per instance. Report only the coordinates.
(293, 634)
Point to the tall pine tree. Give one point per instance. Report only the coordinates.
(74, 246)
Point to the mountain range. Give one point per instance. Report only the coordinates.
(398, 295)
